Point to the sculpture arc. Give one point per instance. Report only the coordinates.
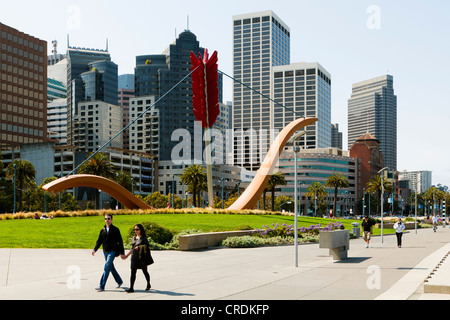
(252, 194)
(115, 190)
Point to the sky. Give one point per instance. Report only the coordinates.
(354, 40)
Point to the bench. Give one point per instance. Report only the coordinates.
(206, 240)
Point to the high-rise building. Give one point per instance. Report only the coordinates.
(260, 41)
(303, 90)
(78, 62)
(372, 109)
(419, 181)
(156, 75)
(23, 88)
(367, 149)
(336, 136)
(126, 92)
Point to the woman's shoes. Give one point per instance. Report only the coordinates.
(130, 290)
(148, 287)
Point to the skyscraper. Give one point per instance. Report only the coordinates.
(372, 109)
(78, 60)
(155, 75)
(23, 88)
(303, 90)
(260, 41)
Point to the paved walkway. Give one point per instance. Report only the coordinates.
(381, 272)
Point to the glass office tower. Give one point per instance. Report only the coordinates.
(155, 75)
(78, 60)
(260, 41)
(372, 109)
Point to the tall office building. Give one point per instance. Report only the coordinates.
(155, 75)
(372, 109)
(420, 181)
(78, 60)
(336, 136)
(23, 88)
(260, 41)
(303, 90)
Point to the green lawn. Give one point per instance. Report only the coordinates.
(82, 232)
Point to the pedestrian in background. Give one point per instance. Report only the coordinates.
(367, 229)
(399, 228)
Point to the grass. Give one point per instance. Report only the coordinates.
(82, 232)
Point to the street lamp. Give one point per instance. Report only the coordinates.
(382, 198)
(15, 167)
(222, 179)
(364, 202)
(296, 151)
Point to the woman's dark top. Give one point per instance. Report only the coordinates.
(137, 260)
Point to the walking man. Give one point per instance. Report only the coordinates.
(111, 240)
(367, 230)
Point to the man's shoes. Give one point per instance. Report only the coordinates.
(130, 290)
(100, 289)
(119, 285)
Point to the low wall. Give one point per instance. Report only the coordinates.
(206, 240)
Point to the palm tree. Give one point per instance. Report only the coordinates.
(25, 174)
(318, 189)
(277, 179)
(374, 185)
(336, 181)
(194, 176)
(99, 165)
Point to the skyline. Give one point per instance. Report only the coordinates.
(354, 42)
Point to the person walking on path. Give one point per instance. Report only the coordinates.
(435, 222)
(399, 228)
(111, 240)
(140, 256)
(367, 230)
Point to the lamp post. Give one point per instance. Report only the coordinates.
(296, 151)
(239, 188)
(222, 179)
(364, 202)
(59, 193)
(182, 193)
(15, 204)
(382, 198)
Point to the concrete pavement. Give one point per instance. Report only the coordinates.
(381, 272)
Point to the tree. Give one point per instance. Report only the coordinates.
(318, 189)
(98, 165)
(336, 182)
(194, 176)
(374, 185)
(277, 179)
(25, 174)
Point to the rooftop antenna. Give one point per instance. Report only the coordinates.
(188, 22)
(106, 44)
(68, 45)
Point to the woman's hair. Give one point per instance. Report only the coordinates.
(142, 229)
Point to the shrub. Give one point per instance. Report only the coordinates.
(155, 233)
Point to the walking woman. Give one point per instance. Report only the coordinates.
(140, 256)
(399, 227)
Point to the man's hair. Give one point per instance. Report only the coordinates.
(109, 215)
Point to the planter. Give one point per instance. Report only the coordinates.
(338, 242)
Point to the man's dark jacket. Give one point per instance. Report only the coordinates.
(111, 241)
